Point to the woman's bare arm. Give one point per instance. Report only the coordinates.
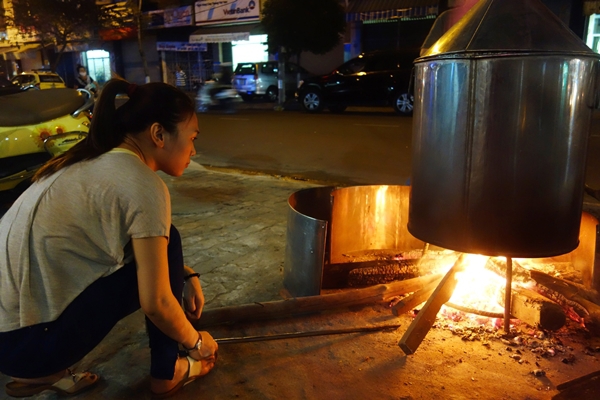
(156, 299)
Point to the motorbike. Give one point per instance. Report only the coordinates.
(36, 125)
(214, 95)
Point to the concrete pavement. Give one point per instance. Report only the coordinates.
(233, 227)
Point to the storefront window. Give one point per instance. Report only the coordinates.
(98, 65)
(593, 34)
(252, 50)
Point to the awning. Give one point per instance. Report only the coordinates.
(225, 33)
(364, 10)
(14, 52)
(361, 6)
(8, 49)
(27, 47)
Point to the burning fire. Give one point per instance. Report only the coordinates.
(478, 288)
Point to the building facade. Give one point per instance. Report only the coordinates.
(200, 36)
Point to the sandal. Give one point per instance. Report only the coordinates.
(194, 372)
(69, 385)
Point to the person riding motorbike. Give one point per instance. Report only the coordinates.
(84, 81)
(218, 93)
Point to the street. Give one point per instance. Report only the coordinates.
(371, 147)
(359, 146)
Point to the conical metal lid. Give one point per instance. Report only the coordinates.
(513, 26)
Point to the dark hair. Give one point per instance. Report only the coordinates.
(153, 102)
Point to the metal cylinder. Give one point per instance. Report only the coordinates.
(500, 134)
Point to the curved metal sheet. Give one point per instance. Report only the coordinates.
(370, 217)
(306, 240)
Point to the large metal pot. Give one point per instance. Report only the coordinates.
(503, 105)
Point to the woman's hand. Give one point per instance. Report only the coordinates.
(193, 298)
(207, 350)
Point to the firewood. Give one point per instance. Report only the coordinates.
(361, 277)
(566, 270)
(418, 329)
(519, 274)
(568, 295)
(368, 273)
(414, 299)
(535, 309)
(310, 304)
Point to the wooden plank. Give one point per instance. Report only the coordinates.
(418, 297)
(535, 309)
(576, 381)
(586, 390)
(421, 325)
(310, 304)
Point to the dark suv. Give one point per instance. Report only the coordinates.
(375, 78)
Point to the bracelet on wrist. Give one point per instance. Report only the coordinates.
(195, 274)
(198, 344)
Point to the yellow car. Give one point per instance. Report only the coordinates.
(39, 80)
(36, 125)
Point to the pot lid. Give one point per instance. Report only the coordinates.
(499, 26)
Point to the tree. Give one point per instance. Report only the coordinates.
(58, 23)
(303, 25)
(294, 26)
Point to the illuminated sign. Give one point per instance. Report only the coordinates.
(218, 11)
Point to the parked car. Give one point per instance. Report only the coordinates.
(375, 78)
(252, 79)
(7, 87)
(39, 80)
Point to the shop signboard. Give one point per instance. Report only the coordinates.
(218, 37)
(153, 19)
(219, 11)
(591, 7)
(180, 16)
(121, 33)
(180, 46)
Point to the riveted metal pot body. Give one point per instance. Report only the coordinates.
(499, 151)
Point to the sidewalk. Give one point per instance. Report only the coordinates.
(233, 227)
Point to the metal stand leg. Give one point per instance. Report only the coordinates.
(508, 294)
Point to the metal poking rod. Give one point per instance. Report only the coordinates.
(291, 335)
(508, 294)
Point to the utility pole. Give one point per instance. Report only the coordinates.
(136, 10)
(141, 44)
(280, 79)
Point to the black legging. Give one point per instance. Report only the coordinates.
(50, 347)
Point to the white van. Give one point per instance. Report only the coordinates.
(252, 79)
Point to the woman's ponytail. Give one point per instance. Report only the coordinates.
(150, 103)
(102, 137)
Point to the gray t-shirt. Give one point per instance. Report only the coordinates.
(72, 228)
